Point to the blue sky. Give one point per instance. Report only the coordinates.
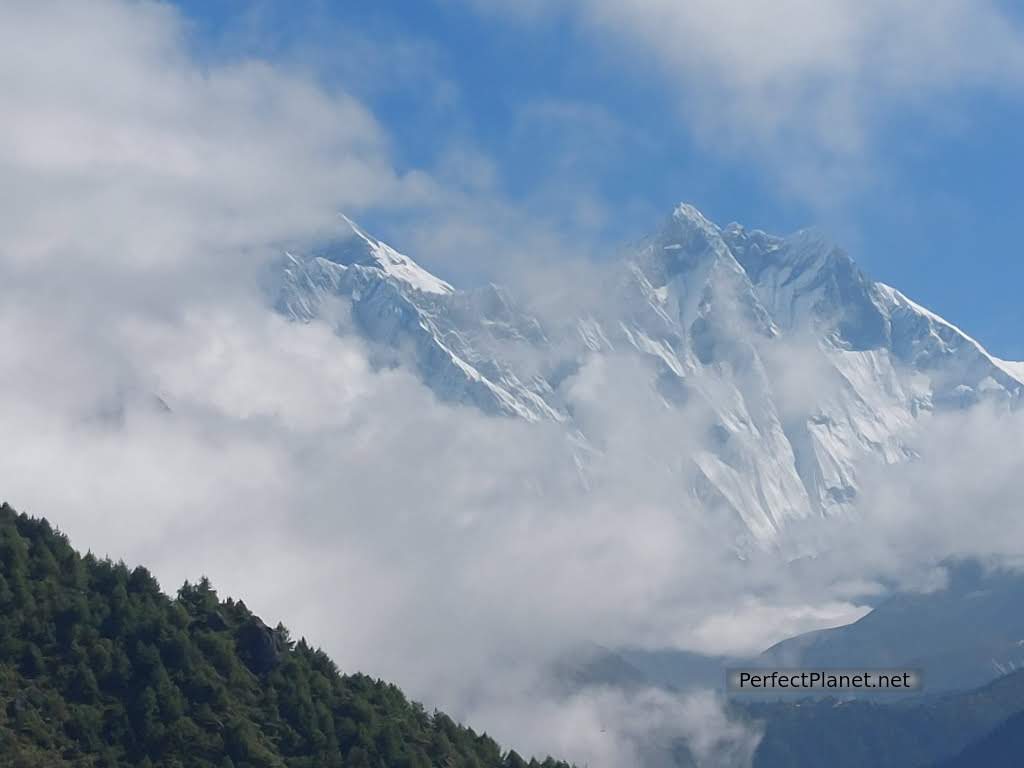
(600, 116)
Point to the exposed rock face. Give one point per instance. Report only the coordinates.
(259, 646)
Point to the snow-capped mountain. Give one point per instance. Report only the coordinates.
(455, 337)
(805, 367)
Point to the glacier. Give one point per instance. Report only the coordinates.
(805, 366)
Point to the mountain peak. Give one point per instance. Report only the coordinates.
(355, 246)
(686, 241)
(689, 229)
(689, 213)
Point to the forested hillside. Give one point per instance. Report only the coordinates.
(98, 667)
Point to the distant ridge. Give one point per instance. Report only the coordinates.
(721, 318)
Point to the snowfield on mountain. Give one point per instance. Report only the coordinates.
(804, 367)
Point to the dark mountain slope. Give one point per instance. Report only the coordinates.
(905, 734)
(962, 636)
(1002, 748)
(99, 668)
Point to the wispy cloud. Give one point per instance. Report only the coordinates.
(806, 87)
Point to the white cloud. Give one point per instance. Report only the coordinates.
(608, 727)
(141, 154)
(805, 86)
(751, 626)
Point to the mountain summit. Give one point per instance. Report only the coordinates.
(805, 366)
